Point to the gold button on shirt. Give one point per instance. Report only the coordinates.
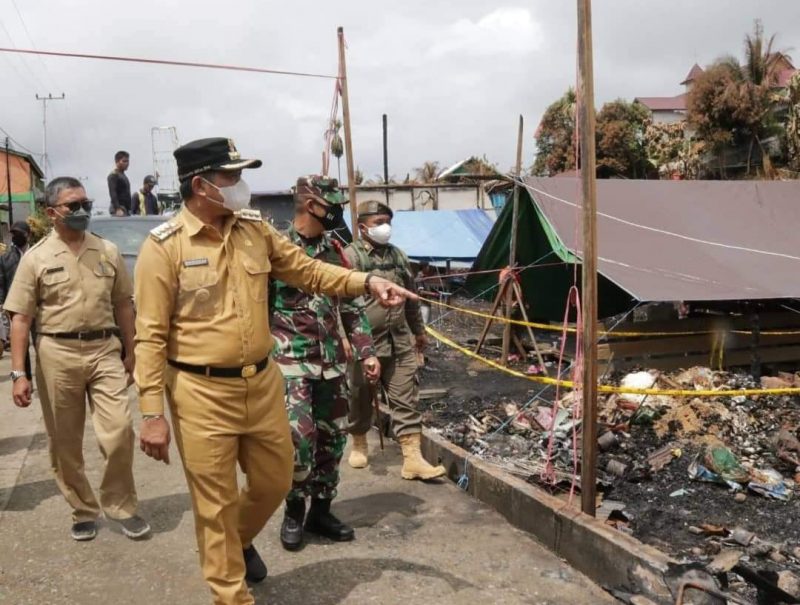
(201, 294)
(67, 292)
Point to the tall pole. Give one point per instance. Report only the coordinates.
(386, 158)
(348, 137)
(512, 255)
(589, 290)
(8, 184)
(44, 99)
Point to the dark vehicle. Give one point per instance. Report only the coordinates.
(127, 233)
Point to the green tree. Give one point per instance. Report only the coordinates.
(555, 137)
(734, 103)
(620, 134)
(793, 122)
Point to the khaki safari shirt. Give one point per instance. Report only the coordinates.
(392, 327)
(201, 295)
(67, 292)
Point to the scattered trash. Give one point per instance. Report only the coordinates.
(615, 467)
(681, 492)
(663, 456)
(714, 530)
(742, 536)
(607, 440)
(724, 561)
(769, 482)
(789, 583)
(698, 472)
(722, 461)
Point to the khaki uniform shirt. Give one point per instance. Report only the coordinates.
(67, 292)
(392, 327)
(201, 295)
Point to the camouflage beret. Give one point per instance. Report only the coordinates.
(373, 207)
(321, 187)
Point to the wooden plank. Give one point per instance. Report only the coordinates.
(735, 358)
(649, 347)
(766, 320)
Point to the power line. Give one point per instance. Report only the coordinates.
(36, 80)
(17, 144)
(166, 62)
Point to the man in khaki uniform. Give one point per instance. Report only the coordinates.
(397, 332)
(75, 285)
(203, 341)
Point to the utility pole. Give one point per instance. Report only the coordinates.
(44, 99)
(386, 159)
(348, 136)
(8, 184)
(589, 270)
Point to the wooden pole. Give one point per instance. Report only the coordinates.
(348, 137)
(589, 271)
(512, 257)
(512, 254)
(386, 157)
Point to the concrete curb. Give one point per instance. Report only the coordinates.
(608, 557)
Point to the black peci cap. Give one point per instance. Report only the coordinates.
(210, 154)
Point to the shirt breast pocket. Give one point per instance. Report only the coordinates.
(198, 293)
(54, 285)
(257, 275)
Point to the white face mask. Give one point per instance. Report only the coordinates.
(380, 234)
(234, 197)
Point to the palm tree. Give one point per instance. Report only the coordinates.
(428, 172)
(754, 85)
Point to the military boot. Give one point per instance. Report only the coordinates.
(414, 465)
(322, 522)
(359, 452)
(292, 526)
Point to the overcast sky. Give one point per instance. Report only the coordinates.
(452, 76)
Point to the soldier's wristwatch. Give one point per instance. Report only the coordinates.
(15, 374)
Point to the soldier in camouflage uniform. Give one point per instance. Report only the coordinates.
(311, 356)
(397, 333)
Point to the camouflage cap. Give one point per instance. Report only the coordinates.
(321, 187)
(372, 207)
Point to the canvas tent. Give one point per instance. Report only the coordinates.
(657, 241)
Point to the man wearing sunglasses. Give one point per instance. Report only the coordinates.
(74, 284)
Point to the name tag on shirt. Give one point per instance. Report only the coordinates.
(54, 270)
(195, 262)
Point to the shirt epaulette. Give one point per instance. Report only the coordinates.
(40, 242)
(164, 230)
(249, 214)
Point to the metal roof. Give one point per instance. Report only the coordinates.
(685, 240)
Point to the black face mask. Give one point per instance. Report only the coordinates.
(19, 240)
(332, 218)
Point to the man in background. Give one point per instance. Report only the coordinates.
(145, 201)
(119, 187)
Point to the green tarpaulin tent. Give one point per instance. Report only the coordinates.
(549, 268)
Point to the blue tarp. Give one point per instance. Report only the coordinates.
(440, 235)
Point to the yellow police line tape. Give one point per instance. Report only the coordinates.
(552, 328)
(605, 388)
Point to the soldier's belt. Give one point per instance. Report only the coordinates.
(237, 372)
(86, 335)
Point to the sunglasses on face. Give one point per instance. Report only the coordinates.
(86, 205)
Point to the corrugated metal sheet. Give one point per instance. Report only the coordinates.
(686, 240)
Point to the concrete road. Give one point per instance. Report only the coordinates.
(416, 543)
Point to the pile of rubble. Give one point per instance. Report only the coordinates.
(708, 479)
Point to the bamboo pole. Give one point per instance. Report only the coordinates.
(512, 254)
(348, 137)
(589, 270)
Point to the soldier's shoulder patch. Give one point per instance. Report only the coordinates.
(249, 214)
(165, 230)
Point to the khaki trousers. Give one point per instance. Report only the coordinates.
(217, 422)
(399, 380)
(68, 372)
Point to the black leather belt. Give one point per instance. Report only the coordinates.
(239, 372)
(87, 335)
